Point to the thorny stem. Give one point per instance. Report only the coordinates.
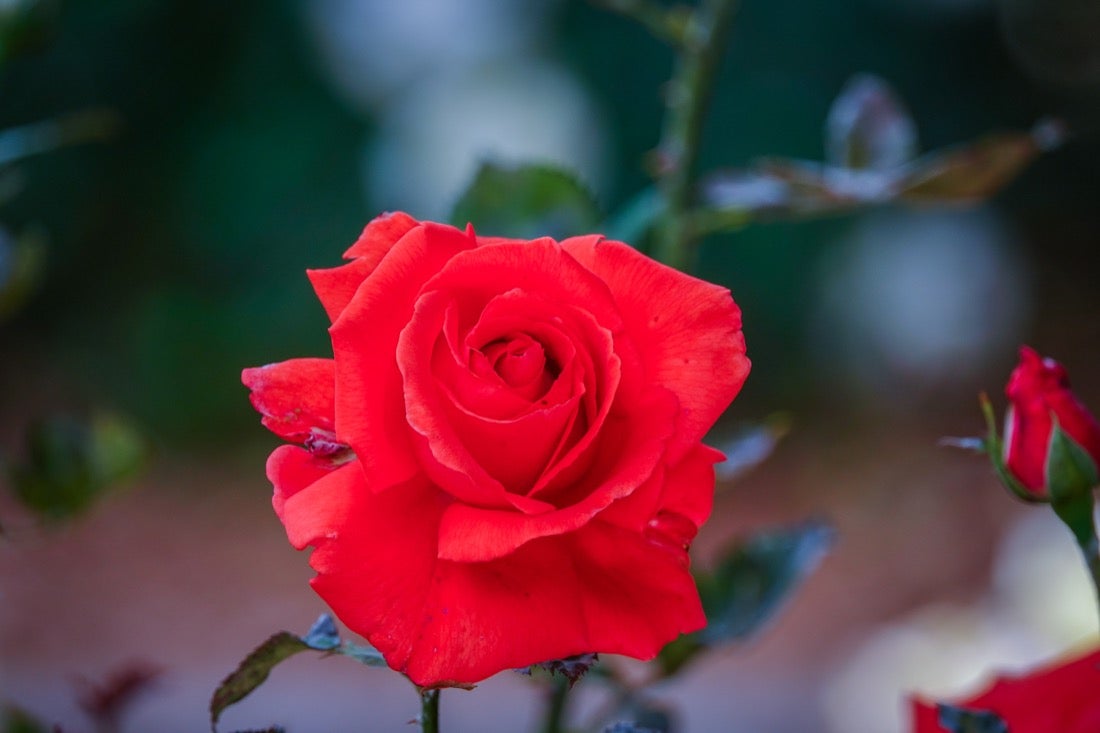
(429, 711)
(687, 101)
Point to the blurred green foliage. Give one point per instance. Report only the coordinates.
(177, 249)
(67, 464)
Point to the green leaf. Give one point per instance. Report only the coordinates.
(14, 720)
(68, 464)
(369, 656)
(527, 202)
(755, 578)
(322, 636)
(749, 586)
(751, 445)
(1070, 470)
(962, 720)
(22, 265)
(977, 170)
(252, 672)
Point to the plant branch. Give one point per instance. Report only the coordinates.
(429, 711)
(687, 101)
(557, 694)
(664, 24)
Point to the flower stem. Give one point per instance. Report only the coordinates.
(658, 20)
(686, 103)
(1077, 514)
(555, 705)
(429, 711)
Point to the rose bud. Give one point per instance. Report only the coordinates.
(1051, 442)
(502, 464)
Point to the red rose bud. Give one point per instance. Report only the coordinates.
(503, 461)
(1051, 442)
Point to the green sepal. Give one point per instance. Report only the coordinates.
(963, 720)
(994, 448)
(1070, 470)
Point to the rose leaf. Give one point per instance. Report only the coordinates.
(963, 720)
(749, 586)
(527, 202)
(252, 672)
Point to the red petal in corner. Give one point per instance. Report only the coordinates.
(293, 396)
(687, 331)
(370, 404)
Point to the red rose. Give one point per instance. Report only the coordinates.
(1039, 395)
(502, 464)
(1061, 698)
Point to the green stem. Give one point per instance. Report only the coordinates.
(555, 705)
(429, 711)
(687, 102)
(655, 18)
(1077, 514)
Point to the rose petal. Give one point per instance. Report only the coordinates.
(320, 510)
(536, 272)
(370, 409)
(442, 622)
(379, 235)
(687, 331)
(581, 591)
(291, 469)
(336, 286)
(630, 451)
(685, 490)
(293, 396)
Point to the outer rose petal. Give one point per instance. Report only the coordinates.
(370, 408)
(293, 396)
(442, 622)
(672, 508)
(1059, 698)
(687, 331)
(336, 286)
(290, 470)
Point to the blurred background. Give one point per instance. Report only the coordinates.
(169, 169)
